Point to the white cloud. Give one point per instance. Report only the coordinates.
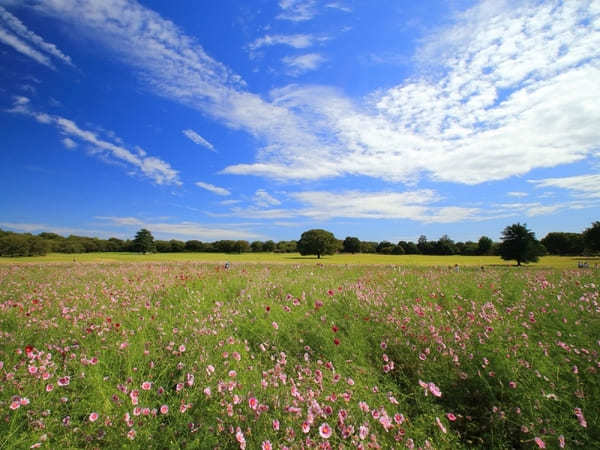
(505, 90)
(303, 63)
(297, 10)
(263, 199)
(15, 34)
(212, 188)
(197, 139)
(151, 167)
(411, 205)
(190, 230)
(291, 40)
(517, 194)
(69, 143)
(339, 6)
(419, 205)
(515, 90)
(585, 186)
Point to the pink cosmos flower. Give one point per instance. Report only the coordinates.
(276, 424)
(451, 417)
(182, 348)
(24, 401)
(512, 385)
(164, 409)
(266, 445)
(63, 381)
(93, 417)
(253, 403)
(434, 390)
(15, 405)
(305, 427)
(131, 434)
(275, 325)
(325, 430)
(561, 441)
(441, 425)
(146, 385)
(540, 443)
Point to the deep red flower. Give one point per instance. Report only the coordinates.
(336, 341)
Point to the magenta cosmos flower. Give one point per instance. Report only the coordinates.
(325, 430)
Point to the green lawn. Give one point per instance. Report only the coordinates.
(563, 262)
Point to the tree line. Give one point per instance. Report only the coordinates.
(555, 243)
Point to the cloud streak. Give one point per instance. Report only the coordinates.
(212, 188)
(199, 140)
(16, 35)
(189, 230)
(513, 89)
(151, 167)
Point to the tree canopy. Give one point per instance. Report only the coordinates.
(143, 241)
(520, 244)
(591, 238)
(317, 242)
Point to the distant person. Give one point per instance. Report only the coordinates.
(227, 265)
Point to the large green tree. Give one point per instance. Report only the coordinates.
(591, 238)
(520, 244)
(317, 242)
(143, 241)
(351, 245)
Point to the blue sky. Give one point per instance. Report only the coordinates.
(262, 119)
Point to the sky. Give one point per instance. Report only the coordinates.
(256, 120)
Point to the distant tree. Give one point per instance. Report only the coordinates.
(194, 246)
(143, 241)
(410, 248)
(558, 243)
(176, 246)
(591, 238)
(484, 246)
(444, 246)
(269, 246)
(286, 247)
(317, 242)
(385, 248)
(256, 246)
(368, 247)
(351, 245)
(115, 245)
(520, 244)
(162, 246)
(15, 244)
(241, 247)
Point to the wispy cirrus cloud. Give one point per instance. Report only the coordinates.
(151, 167)
(290, 40)
(584, 186)
(16, 35)
(212, 188)
(297, 10)
(513, 93)
(189, 230)
(420, 205)
(199, 140)
(300, 64)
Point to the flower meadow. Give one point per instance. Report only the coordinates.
(190, 355)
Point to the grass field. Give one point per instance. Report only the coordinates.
(566, 262)
(183, 354)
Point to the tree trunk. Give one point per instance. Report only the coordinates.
(318, 255)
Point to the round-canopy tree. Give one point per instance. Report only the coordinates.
(591, 238)
(520, 244)
(143, 241)
(351, 245)
(317, 242)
